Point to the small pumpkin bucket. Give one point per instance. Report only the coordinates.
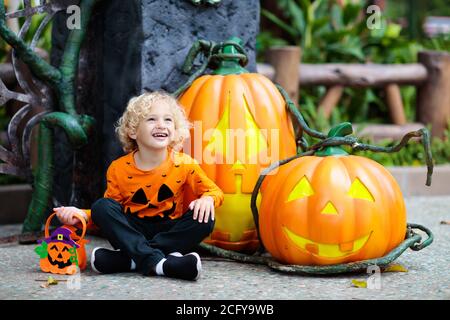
(62, 252)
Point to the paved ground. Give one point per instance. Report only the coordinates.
(428, 276)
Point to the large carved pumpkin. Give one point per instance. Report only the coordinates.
(322, 210)
(245, 128)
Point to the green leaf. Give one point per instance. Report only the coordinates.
(335, 36)
(341, 130)
(305, 4)
(336, 17)
(347, 50)
(319, 24)
(315, 5)
(351, 12)
(298, 17)
(281, 24)
(393, 30)
(42, 250)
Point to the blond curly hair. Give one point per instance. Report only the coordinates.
(139, 109)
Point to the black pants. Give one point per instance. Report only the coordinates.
(147, 240)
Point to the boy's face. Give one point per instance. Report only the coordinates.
(157, 130)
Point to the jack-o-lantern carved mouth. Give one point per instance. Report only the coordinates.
(327, 250)
(60, 264)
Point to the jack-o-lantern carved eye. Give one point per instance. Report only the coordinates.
(57, 250)
(302, 189)
(359, 191)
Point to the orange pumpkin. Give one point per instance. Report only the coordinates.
(62, 251)
(225, 104)
(323, 210)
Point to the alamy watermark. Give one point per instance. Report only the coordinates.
(374, 280)
(74, 281)
(74, 20)
(374, 21)
(251, 146)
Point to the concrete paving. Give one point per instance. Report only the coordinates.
(428, 275)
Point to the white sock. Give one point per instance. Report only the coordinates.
(175, 254)
(159, 267)
(133, 265)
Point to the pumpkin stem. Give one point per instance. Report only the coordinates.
(229, 57)
(339, 130)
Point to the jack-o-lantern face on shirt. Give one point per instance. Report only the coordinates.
(156, 190)
(167, 188)
(329, 210)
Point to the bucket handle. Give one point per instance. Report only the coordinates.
(81, 218)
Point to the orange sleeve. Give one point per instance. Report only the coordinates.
(201, 185)
(89, 225)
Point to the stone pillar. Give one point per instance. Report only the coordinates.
(134, 46)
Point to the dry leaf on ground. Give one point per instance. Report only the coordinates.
(50, 282)
(359, 283)
(395, 268)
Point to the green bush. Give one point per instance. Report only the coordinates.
(411, 155)
(439, 43)
(330, 33)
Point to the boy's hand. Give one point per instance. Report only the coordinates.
(67, 215)
(203, 208)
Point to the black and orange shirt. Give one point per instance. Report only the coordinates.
(158, 191)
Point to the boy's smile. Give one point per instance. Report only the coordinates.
(160, 135)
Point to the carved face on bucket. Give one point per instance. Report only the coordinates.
(330, 210)
(59, 254)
